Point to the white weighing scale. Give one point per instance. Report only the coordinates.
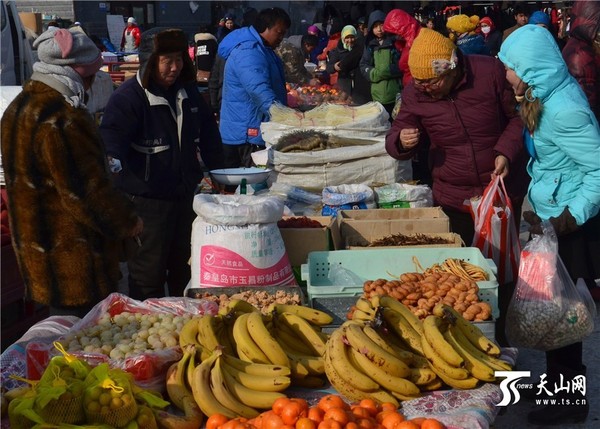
(241, 177)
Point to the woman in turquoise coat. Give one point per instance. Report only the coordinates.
(563, 139)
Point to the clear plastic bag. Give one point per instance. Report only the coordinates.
(547, 311)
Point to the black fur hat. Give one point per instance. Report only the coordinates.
(159, 41)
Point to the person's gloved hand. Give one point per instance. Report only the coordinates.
(564, 224)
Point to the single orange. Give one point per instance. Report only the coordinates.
(332, 401)
(407, 424)
(391, 420)
(291, 412)
(306, 423)
(231, 424)
(316, 414)
(360, 412)
(215, 421)
(432, 424)
(279, 405)
(351, 425)
(388, 406)
(330, 424)
(371, 405)
(302, 402)
(271, 420)
(338, 414)
(382, 414)
(418, 421)
(368, 423)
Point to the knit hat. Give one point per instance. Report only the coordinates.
(313, 29)
(160, 41)
(61, 47)
(487, 21)
(431, 55)
(131, 20)
(539, 17)
(348, 30)
(460, 24)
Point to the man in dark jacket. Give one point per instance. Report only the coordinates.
(467, 109)
(157, 129)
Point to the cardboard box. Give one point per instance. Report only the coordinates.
(359, 241)
(299, 242)
(384, 222)
(32, 21)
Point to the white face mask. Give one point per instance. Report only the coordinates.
(485, 30)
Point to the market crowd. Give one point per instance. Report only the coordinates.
(468, 101)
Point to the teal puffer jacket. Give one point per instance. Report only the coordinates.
(565, 170)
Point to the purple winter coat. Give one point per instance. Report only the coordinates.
(471, 126)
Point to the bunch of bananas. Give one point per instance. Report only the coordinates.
(455, 350)
(239, 361)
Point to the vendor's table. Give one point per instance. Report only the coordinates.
(466, 409)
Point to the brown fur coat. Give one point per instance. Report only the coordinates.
(65, 216)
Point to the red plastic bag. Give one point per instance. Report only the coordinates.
(495, 231)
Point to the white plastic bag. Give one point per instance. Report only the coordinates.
(347, 197)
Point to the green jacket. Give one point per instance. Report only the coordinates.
(379, 64)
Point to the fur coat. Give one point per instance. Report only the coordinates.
(66, 218)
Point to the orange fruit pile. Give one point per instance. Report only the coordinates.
(331, 412)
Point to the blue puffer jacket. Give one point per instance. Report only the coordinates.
(566, 168)
(253, 81)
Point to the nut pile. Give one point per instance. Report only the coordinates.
(260, 299)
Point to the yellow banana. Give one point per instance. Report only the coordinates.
(312, 315)
(224, 396)
(469, 330)
(436, 384)
(405, 356)
(493, 362)
(375, 301)
(384, 378)
(245, 345)
(208, 327)
(250, 397)
(440, 366)
(237, 305)
(354, 376)
(304, 331)
(403, 397)
(477, 368)
(202, 391)
(351, 392)
(262, 337)
(363, 304)
(188, 332)
(176, 378)
(397, 306)
(257, 382)
(314, 364)
(191, 366)
(422, 376)
(387, 362)
(292, 343)
(432, 327)
(192, 420)
(466, 384)
(403, 329)
(361, 315)
(265, 370)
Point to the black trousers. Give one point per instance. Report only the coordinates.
(165, 248)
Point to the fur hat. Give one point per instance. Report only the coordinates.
(460, 24)
(539, 17)
(160, 41)
(431, 55)
(61, 47)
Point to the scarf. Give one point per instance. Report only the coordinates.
(66, 76)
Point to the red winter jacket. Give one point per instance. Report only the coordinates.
(402, 24)
(578, 53)
(471, 126)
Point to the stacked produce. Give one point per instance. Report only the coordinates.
(238, 362)
(324, 115)
(331, 412)
(312, 95)
(455, 350)
(259, 297)
(451, 283)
